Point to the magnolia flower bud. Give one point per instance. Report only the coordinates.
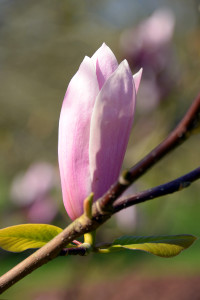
(95, 123)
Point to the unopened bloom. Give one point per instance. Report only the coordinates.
(94, 128)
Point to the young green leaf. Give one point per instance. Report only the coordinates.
(164, 246)
(25, 236)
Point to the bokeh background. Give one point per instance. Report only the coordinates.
(42, 44)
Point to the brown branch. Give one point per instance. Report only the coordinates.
(181, 133)
(103, 208)
(50, 250)
(82, 225)
(158, 191)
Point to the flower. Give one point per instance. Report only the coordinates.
(31, 191)
(149, 45)
(94, 127)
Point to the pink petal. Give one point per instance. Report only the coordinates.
(137, 78)
(111, 124)
(105, 62)
(73, 144)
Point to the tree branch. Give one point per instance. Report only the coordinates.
(158, 191)
(82, 225)
(103, 208)
(51, 250)
(186, 127)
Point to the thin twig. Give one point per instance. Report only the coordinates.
(158, 191)
(82, 251)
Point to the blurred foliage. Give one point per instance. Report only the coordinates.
(42, 45)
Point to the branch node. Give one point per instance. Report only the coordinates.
(125, 178)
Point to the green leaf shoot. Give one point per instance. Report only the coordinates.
(27, 236)
(164, 246)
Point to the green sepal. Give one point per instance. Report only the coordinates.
(27, 236)
(164, 246)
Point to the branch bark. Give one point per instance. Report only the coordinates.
(51, 250)
(103, 208)
(158, 191)
(82, 225)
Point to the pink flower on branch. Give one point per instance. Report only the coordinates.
(95, 124)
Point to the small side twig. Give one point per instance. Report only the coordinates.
(158, 191)
(82, 251)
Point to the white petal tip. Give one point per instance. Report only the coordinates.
(137, 78)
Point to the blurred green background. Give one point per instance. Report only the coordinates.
(42, 45)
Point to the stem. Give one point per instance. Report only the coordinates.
(158, 191)
(87, 205)
(76, 242)
(102, 251)
(90, 238)
(82, 251)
